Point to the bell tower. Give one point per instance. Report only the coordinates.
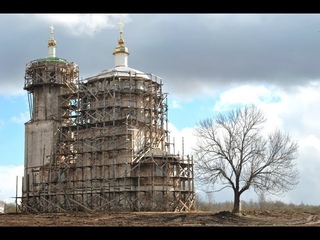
(45, 80)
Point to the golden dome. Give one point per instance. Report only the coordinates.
(52, 42)
(121, 48)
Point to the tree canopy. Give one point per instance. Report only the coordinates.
(233, 151)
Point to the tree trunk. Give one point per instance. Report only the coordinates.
(236, 202)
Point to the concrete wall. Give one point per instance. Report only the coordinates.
(40, 139)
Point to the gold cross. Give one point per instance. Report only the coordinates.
(52, 28)
(121, 25)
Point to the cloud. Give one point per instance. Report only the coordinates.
(311, 141)
(182, 142)
(11, 89)
(175, 104)
(85, 24)
(269, 99)
(195, 54)
(8, 183)
(24, 117)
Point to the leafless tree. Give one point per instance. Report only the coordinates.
(232, 151)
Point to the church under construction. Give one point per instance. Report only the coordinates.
(102, 143)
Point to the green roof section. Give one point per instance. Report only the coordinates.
(50, 59)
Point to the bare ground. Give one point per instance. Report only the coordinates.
(156, 219)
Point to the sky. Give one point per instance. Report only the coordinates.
(208, 62)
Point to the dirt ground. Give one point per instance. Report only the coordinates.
(156, 219)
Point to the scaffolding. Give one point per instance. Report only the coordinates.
(108, 147)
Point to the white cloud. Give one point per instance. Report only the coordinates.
(270, 100)
(24, 117)
(9, 89)
(8, 183)
(175, 104)
(182, 141)
(302, 111)
(310, 141)
(87, 24)
(245, 94)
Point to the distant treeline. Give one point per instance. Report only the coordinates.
(262, 204)
(202, 205)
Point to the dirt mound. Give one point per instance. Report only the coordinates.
(226, 214)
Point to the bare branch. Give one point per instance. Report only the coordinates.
(231, 151)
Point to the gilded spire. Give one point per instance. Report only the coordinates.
(121, 41)
(52, 44)
(121, 48)
(51, 41)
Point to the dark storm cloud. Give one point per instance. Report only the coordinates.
(217, 50)
(191, 52)
(18, 34)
